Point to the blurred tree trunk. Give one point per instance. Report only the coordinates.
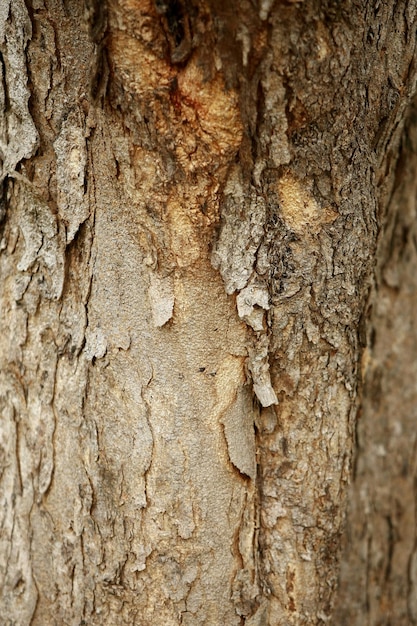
(208, 262)
(379, 567)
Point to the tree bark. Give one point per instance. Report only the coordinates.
(206, 232)
(378, 574)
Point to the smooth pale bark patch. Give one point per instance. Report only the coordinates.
(300, 209)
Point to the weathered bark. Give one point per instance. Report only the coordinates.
(195, 200)
(379, 568)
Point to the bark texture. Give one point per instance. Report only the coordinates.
(379, 575)
(195, 198)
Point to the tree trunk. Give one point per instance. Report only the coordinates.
(379, 568)
(208, 264)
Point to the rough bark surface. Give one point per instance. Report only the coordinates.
(193, 200)
(379, 569)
